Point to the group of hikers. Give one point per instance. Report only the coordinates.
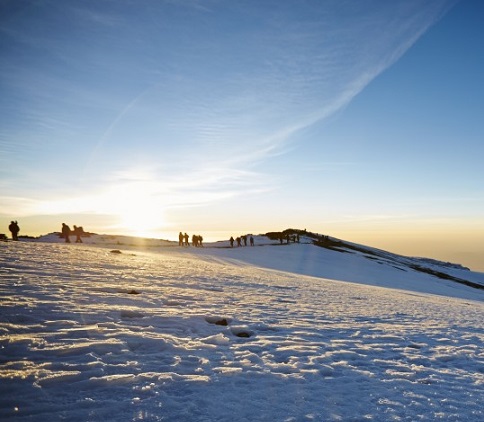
(289, 238)
(66, 232)
(183, 240)
(238, 241)
(241, 239)
(197, 240)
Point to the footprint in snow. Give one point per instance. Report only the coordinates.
(218, 320)
(242, 332)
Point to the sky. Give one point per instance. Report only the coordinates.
(357, 119)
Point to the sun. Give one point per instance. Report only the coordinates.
(137, 208)
(140, 220)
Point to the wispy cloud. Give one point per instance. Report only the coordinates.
(202, 99)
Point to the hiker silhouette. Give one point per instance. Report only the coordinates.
(14, 229)
(78, 231)
(66, 231)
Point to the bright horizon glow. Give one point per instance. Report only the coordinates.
(358, 119)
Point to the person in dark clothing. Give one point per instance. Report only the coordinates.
(251, 241)
(66, 231)
(14, 229)
(231, 241)
(78, 231)
(180, 239)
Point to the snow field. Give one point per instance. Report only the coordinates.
(86, 334)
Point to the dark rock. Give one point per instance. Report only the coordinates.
(133, 292)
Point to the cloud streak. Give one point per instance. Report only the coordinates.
(203, 97)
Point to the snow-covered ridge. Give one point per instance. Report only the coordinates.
(388, 261)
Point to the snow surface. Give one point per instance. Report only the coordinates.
(117, 330)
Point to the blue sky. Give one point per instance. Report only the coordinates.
(360, 119)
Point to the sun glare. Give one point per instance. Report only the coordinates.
(138, 209)
(138, 220)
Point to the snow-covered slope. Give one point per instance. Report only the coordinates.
(120, 332)
(328, 258)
